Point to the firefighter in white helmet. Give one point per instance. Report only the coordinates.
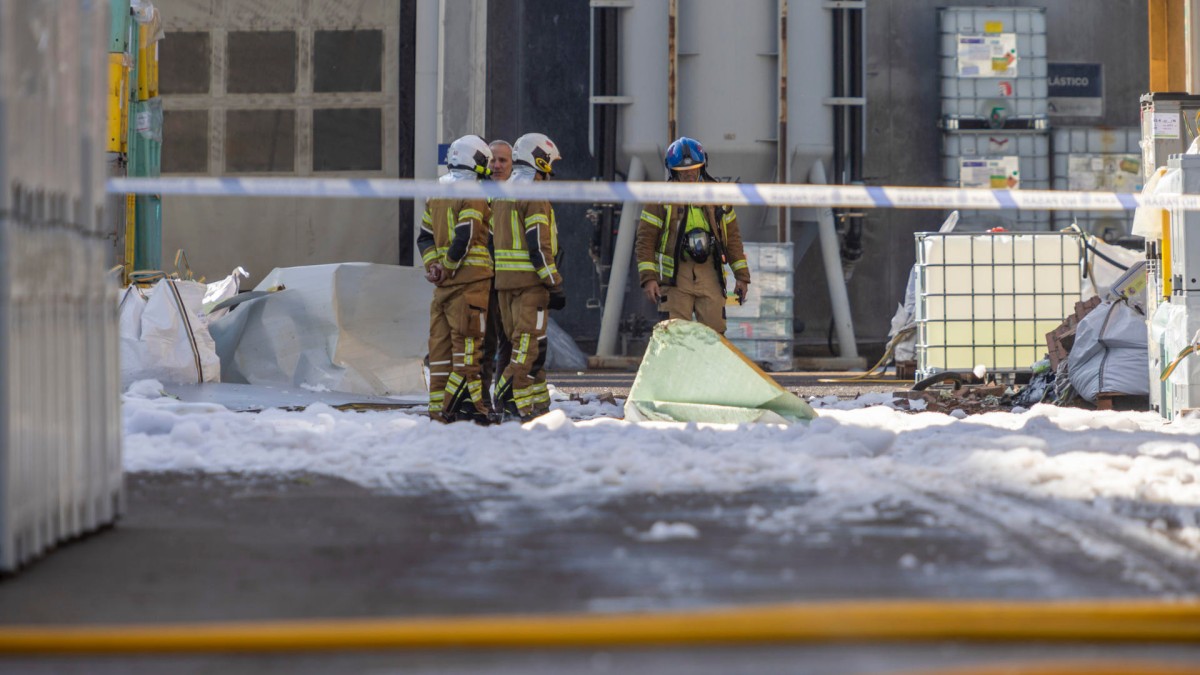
(454, 248)
(528, 281)
(682, 249)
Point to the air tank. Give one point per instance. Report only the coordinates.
(727, 89)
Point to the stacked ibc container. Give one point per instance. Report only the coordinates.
(762, 326)
(994, 108)
(60, 457)
(1100, 159)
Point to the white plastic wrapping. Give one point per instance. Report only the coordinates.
(1101, 274)
(1147, 220)
(352, 327)
(219, 291)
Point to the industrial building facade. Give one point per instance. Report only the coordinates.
(294, 88)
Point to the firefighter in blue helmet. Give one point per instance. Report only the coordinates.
(682, 249)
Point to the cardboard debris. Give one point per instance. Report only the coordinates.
(1060, 340)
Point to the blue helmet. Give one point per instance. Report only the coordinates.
(685, 153)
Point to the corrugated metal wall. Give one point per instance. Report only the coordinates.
(60, 456)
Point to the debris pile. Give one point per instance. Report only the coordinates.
(971, 399)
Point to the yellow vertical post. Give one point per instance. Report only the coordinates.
(1168, 45)
(1165, 250)
(130, 235)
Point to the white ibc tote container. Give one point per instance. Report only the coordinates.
(990, 299)
(60, 462)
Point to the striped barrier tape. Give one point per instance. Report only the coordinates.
(736, 194)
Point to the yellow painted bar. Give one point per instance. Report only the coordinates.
(147, 65)
(130, 236)
(1165, 251)
(869, 621)
(118, 94)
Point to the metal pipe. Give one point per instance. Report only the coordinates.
(425, 116)
(839, 91)
(781, 147)
(672, 67)
(858, 78)
(619, 272)
(830, 255)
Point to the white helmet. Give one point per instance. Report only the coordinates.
(537, 151)
(471, 153)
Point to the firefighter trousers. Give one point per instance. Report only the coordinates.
(496, 351)
(457, 324)
(525, 313)
(697, 291)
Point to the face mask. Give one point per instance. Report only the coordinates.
(698, 245)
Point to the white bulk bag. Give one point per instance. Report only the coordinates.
(1110, 353)
(166, 337)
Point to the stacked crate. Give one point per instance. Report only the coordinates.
(994, 108)
(762, 327)
(1097, 159)
(60, 434)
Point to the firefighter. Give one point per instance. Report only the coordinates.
(495, 344)
(682, 248)
(454, 248)
(528, 282)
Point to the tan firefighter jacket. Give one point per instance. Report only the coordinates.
(525, 238)
(659, 244)
(454, 232)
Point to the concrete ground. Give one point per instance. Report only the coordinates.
(217, 548)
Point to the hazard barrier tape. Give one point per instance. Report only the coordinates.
(1092, 621)
(734, 194)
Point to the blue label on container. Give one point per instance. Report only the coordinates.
(1075, 89)
(1075, 80)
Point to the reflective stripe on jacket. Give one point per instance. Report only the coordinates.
(454, 233)
(525, 238)
(658, 242)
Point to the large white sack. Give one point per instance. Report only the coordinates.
(1110, 352)
(165, 337)
(352, 327)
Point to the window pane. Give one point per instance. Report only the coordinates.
(348, 60)
(185, 141)
(260, 140)
(261, 62)
(348, 139)
(183, 61)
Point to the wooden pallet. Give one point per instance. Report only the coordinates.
(1115, 401)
